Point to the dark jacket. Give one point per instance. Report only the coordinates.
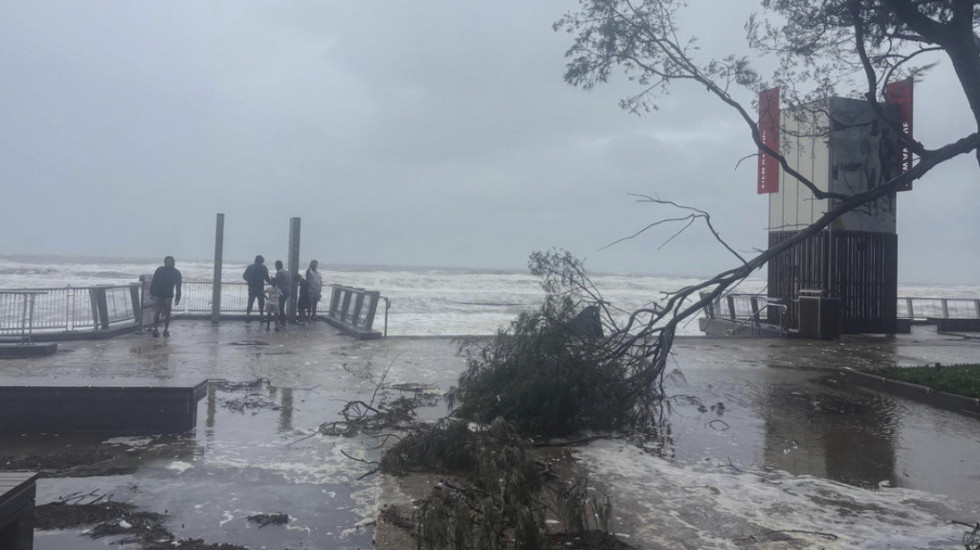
(164, 280)
(283, 280)
(256, 275)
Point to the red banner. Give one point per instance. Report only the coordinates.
(899, 94)
(769, 132)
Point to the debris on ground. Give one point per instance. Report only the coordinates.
(119, 519)
(263, 520)
(62, 460)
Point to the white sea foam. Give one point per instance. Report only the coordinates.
(709, 504)
(424, 302)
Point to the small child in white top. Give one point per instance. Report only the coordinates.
(272, 306)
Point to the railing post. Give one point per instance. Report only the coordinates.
(358, 304)
(945, 308)
(754, 301)
(134, 298)
(373, 297)
(731, 307)
(709, 306)
(23, 320)
(334, 300)
(345, 307)
(976, 306)
(69, 308)
(908, 304)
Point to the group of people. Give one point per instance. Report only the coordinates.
(273, 299)
(166, 283)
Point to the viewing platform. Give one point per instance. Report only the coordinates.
(103, 311)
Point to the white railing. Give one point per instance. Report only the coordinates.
(740, 307)
(80, 309)
(66, 309)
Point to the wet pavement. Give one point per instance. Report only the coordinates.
(763, 441)
(252, 451)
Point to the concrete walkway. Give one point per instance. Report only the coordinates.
(256, 449)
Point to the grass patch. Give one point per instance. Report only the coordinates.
(958, 379)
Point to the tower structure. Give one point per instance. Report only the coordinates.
(847, 274)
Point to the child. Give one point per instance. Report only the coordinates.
(272, 306)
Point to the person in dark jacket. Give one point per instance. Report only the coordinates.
(164, 287)
(256, 275)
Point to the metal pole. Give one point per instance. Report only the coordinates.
(294, 232)
(219, 243)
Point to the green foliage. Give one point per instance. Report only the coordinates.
(552, 373)
(548, 373)
(446, 447)
(498, 506)
(503, 494)
(958, 379)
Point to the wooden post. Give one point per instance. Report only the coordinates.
(294, 232)
(219, 244)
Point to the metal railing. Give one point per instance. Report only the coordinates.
(738, 307)
(197, 297)
(744, 307)
(938, 308)
(78, 309)
(66, 309)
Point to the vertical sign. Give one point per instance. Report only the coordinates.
(899, 94)
(769, 133)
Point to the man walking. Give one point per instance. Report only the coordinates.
(256, 275)
(164, 287)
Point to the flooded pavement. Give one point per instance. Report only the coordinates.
(766, 446)
(763, 446)
(255, 450)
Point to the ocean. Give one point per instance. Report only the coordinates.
(423, 301)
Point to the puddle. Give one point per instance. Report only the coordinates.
(244, 460)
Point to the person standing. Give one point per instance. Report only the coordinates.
(164, 287)
(315, 283)
(284, 282)
(256, 275)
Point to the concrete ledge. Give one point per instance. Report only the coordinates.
(116, 409)
(956, 325)
(111, 332)
(19, 351)
(360, 333)
(917, 392)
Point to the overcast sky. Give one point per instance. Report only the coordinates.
(426, 133)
